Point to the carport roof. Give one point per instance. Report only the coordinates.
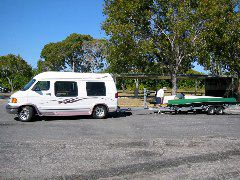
(157, 76)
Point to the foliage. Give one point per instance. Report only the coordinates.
(128, 24)
(94, 54)
(231, 47)
(155, 36)
(77, 52)
(191, 83)
(218, 43)
(54, 58)
(150, 84)
(15, 72)
(166, 36)
(154, 84)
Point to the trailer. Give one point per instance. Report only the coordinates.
(208, 105)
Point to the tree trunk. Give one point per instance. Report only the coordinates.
(238, 90)
(10, 83)
(123, 87)
(174, 83)
(196, 86)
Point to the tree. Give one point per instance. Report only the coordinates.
(230, 46)
(77, 52)
(231, 56)
(127, 25)
(150, 36)
(15, 71)
(94, 55)
(174, 35)
(54, 58)
(219, 38)
(219, 41)
(73, 51)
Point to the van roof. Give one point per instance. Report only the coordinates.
(73, 75)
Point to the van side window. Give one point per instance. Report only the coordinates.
(41, 86)
(66, 89)
(96, 89)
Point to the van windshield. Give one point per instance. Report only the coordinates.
(28, 85)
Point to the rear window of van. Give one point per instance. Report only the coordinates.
(96, 89)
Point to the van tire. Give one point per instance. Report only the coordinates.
(26, 113)
(99, 112)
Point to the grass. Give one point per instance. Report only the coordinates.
(130, 102)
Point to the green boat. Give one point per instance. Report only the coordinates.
(208, 104)
(202, 101)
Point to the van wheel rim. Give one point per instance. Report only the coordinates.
(100, 111)
(24, 114)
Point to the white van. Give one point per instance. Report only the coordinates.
(65, 94)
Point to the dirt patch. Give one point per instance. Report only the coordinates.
(132, 102)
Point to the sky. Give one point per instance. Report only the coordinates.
(27, 25)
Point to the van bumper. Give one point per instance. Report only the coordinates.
(11, 109)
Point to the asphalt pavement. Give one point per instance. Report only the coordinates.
(140, 145)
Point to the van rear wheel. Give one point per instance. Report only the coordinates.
(26, 114)
(99, 112)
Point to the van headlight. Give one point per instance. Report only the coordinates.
(14, 100)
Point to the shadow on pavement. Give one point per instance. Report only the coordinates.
(55, 118)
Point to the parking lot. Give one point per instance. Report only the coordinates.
(143, 145)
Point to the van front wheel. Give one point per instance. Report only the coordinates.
(26, 114)
(99, 112)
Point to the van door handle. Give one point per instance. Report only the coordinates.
(48, 94)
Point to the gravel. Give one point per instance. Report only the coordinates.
(143, 145)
